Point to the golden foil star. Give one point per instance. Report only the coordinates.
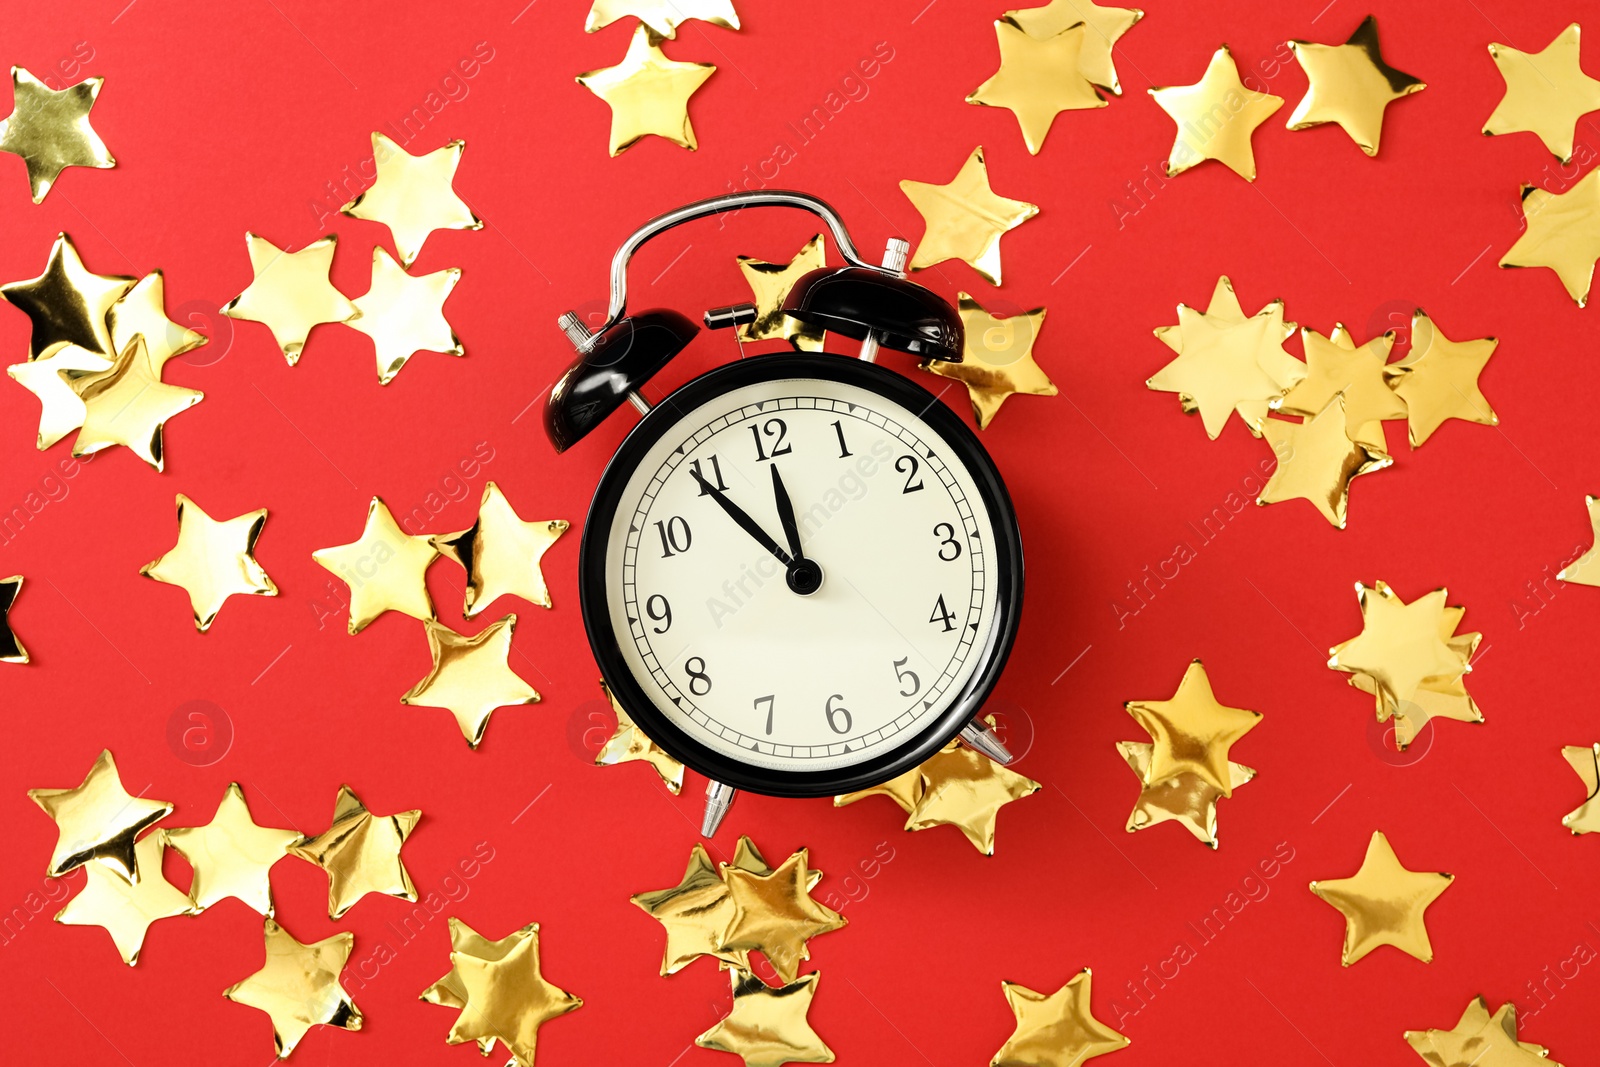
(965, 219)
(1215, 118)
(997, 360)
(291, 293)
(774, 914)
(470, 677)
(1350, 85)
(404, 314)
(1438, 379)
(213, 560)
(1585, 763)
(1038, 79)
(966, 789)
(1563, 233)
(386, 569)
(143, 311)
(11, 650)
(648, 94)
(1401, 646)
(769, 286)
(49, 128)
(1479, 1040)
(1442, 696)
(413, 196)
(1317, 460)
(1193, 731)
(662, 17)
(769, 1027)
(448, 991)
(54, 380)
(1336, 367)
(507, 997)
(1383, 903)
(299, 986)
(98, 820)
(361, 853)
(1105, 26)
(129, 405)
(1585, 570)
(68, 303)
(501, 552)
(629, 743)
(126, 909)
(905, 790)
(1055, 1029)
(1547, 92)
(231, 855)
(1185, 798)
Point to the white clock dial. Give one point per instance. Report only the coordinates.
(713, 633)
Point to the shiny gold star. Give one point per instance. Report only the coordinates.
(1563, 233)
(470, 677)
(1400, 645)
(1336, 367)
(11, 650)
(212, 560)
(1317, 460)
(629, 743)
(1056, 1029)
(1351, 85)
(769, 1027)
(231, 855)
(662, 17)
(965, 219)
(1185, 798)
(143, 311)
(360, 853)
(1038, 79)
(98, 820)
(126, 909)
(769, 285)
(501, 552)
(291, 293)
(49, 128)
(386, 569)
(1585, 570)
(966, 789)
(68, 303)
(1585, 763)
(1215, 118)
(448, 991)
(648, 94)
(413, 195)
(904, 789)
(1383, 903)
(507, 997)
(1192, 731)
(1105, 25)
(1442, 696)
(695, 915)
(997, 360)
(1479, 1040)
(1547, 92)
(129, 405)
(404, 314)
(299, 986)
(54, 380)
(1438, 379)
(774, 914)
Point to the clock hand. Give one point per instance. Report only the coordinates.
(791, 529)
(738, 515)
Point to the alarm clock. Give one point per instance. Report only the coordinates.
(801, 574)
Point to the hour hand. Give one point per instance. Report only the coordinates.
(791, 529)
(738, 515)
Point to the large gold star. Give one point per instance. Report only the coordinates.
(904, 789)
(98, 820)
(661, 17)
(1317, 460)
(1479, 1040)
(470, 677)
(413, 195)
(129, 405)
(1336, 367)
(1215, 118)
(1105, 26)
(1400, 645)
(49, 128)
(212, 560)
(291, 293)
(1547, 92)
(11, 650)
(965, 219)
(231, 855)
(1438, 379)
(1563, 233)
(126, 909)
(448, 991)
(1442, 696)
(769, 1027)
(997, 359)
(1038, 79)
(1585, 570)
(628, 743)
(1185, 797)
(501, 553)
(769, 285)
(404, 314)
(386, 569)
(648, 94)
(360, 853)
(774, 914)
(966, 789)
(1585, 763)
(54, 379)
(68, 303)
(143, 311)
(1383, 903)
(1056, 1029)
(506, 997)
(299, 986)
(1350, 85)
(1192, 731)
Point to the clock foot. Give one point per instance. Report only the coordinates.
(977, 735)
(719, 798)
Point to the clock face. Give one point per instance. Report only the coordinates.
(853, 652)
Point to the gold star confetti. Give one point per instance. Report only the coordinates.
(1105, 26)
(1383, 903)
(648, 94)
(361, 853)
(1226, 361)
(662, 17)
(629, 743)
(997, 360)
(98, 820)
(470, 677)
(231, 855)
(1038, 79)
(1442, 696)
(769, 285)
(126, 909)
(966, 789)
(1547, 92)
(448, 991)
(1438, 379)
(299, 986)
(1057, 1029)
(1405, 651)
(1317, 461)
(1585, 763)
(774, 914)
(49, 128)
(143, 311)
(212, 560)
(1479, 1040)
(965, 219)
(413, 196)
(1563, 233)
(404, 314)
(291, 293)
(507, 997)
(1350, 85)
(54, 380)
(129, 405)
(501, 552)
(905, 789)
(1585, 570)
(11, 650)
(68, 303)
(1184, 798)
(1215, 118)
(1335, 367)
(1193, 731)
(769, 1027)
(386, 569)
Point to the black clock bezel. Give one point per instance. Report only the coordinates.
(962, 442)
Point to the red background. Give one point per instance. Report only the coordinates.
(223, 121)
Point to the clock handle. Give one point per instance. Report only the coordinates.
(980, 736)
(719, 798)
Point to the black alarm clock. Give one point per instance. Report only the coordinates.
(801, 573)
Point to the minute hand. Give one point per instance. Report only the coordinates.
(791, 529)
(738, 515)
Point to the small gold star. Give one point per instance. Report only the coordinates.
(49, 129)
(769, 1027)
(213, 560)
(413, 196)
(966, 789)
(1192, 731)
(770, 284)
(11, 650)
(1401, 645)
(648, 94)
(54, 380)
(501, 552)
(98, 820)
(662, 17)
(1215, 118)
(507, 997)
(299, 986)
(1442, 696)
(404, 314)
(1038, 79)
(629, 743)
(1585, 763)
(997, 361)
(470, 677)
(1438, 379)
(1350, 85)
(386, 569)
(1317, 461)
(1585, 570)
(1547, 92)
(905, 790)
(1563, 233)
(130, 405)
(126, 909)
(1056, 1029)
(1105, 26)
(291, 293)
(68, 303)
(231, 855)
(361, 853)
(1336, 367)
(143, 311)
(1383, 903)
(1479, 1040)
(965, 219)
(448, 991)
(1185, 797)
(775, 915)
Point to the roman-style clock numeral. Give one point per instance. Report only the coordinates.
(675, 535)
(838, 716)
(943, 616)
(908, 466)
(947, 542)
(699, 680)
(713, 482)
(661, 611)
(844, 449)
(772, 432)
(769, 700)
(909, 682)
